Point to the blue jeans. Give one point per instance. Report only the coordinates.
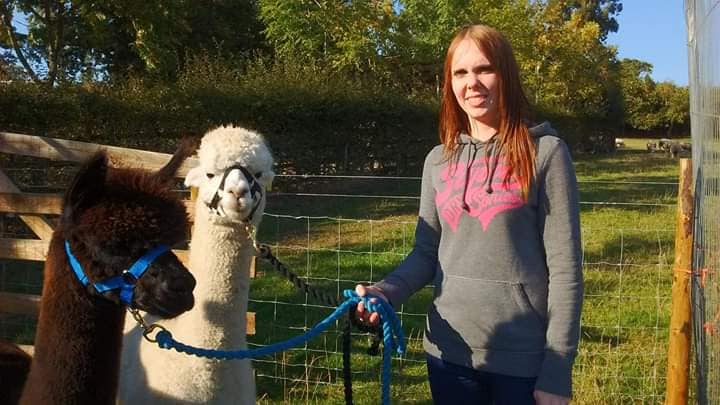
(458, 385)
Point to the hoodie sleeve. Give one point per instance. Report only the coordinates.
(560, 228)
(418, 268)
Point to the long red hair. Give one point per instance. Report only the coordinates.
(514, 138)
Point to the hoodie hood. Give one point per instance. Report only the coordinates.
(536, 131)
(542, 129)
(471, 146)
(465, 139)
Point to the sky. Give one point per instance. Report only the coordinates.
(654, 31)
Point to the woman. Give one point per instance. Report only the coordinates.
(498, 235)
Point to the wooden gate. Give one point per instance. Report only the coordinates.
(36, 210)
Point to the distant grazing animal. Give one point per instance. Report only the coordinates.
(664, 144)
(112, 220)
(234, 172)
(676, 148)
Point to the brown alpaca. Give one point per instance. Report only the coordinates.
(14, 366)
(111, 217)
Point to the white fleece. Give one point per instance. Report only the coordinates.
(220, 255)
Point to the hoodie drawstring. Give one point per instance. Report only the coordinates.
(491, 159)
(492, 165)
(470, 161)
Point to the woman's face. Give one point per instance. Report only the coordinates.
(475, 83)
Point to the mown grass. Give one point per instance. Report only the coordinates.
(628, 232)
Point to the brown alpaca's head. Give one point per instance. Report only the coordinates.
(113, 217)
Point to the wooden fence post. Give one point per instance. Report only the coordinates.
(680, 324)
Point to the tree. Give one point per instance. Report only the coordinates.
(641, 101)
(9, 70)
(354, 36)
(569, 71)
(425, 27)
(52, 14)
(76, 40)
(602, 12)
(675, 105)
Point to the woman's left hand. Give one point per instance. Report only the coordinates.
(546, 398)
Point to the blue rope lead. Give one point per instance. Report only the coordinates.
(393, 337)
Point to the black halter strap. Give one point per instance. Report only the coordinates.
(256, 190)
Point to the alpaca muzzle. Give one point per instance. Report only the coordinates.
(254, 188)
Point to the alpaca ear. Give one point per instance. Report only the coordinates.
(187, 146)
(86, 188)
(194, 177)
(267, 179)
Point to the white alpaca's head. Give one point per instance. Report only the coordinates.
(234, 173)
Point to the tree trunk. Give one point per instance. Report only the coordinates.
(7, 21)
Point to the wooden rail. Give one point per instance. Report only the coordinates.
(23, 304)
(27, 203)
(48, 204)
(36, 223)
(75, 151)
(32, 208)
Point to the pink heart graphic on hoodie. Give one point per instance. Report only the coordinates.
(482, 205)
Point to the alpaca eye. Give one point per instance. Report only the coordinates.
(210, 175)
(258, 175)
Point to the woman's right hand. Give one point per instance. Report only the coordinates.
(364, 316)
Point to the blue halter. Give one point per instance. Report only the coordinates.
(124, 282)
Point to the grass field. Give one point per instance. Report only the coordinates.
(628, 232)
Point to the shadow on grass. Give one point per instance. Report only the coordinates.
(644, 198)
(635, 164)
(627, 249)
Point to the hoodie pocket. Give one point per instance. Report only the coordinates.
(487, 315)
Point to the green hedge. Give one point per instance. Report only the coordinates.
(316, 122)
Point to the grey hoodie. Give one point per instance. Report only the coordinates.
(507, 274)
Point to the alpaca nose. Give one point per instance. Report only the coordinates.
(239, 191)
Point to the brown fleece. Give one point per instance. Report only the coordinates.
(110, 217)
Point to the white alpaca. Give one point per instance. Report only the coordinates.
(220, 255)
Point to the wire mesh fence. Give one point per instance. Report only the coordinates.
(627, 256)
(338, 231)
(703, 20)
